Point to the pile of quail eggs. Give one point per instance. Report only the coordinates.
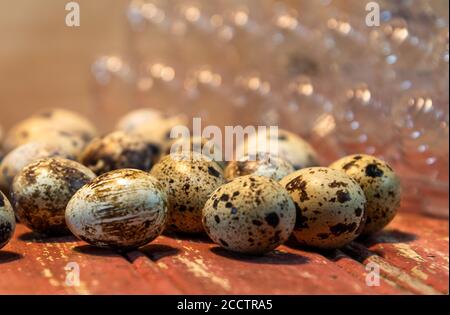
(124, 189)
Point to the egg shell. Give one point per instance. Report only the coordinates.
(198, 145)
(23, 155)
(251, 215)
(7, 221)
(116, 151)
(139, 117)
(159, 132)
(48, 124)
(69, 142)
(330, 207)
(261, 164)
(380, 184)
(189, 180)
(284, 144)
(124, 208)
(41, 191)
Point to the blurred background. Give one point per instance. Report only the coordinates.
(313, 67)
(44, 63)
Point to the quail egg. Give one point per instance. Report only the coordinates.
(124, 208)
(41, 191)
(118, 150)
(261, 164)
(7, 221)
(40, 125)
(198, 145)
(251, 214)
(67, 120)
(284, 144)
(159, 131)
(69, 141)
(189, 179)
(380, 185)
(139, 117)
(330, 207)
(23, 155)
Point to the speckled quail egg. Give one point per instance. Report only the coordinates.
(125, 208)
(139, 117)
(46, 123)
(251, 214)
(261, 164)
(189, 179)
(69, 121)
(68, 142)
(41, 191)
(285, 144)
(196, 144)
(118, 150)
(380, 185)
(23, 155)
(159, 131)
(330, 207)
(7, 220)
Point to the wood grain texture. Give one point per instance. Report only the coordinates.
(412, 254)
(44, 64)
(33, 265)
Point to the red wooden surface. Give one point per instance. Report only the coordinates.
(412, 254)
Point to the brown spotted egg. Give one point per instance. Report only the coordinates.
(380, 185)
(198, 145)
(48, 124)
(116, 151)
(261, 164)
(67, 120)
(139, 117)
(7, 220)
(69, 142)
(329, 204)
(23, 155)
(189, 179)
(284, 144)
(125, 208)
(41, 191)
(251, 214)
(159, 131)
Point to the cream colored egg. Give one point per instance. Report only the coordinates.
(121, 209)
(118, 150)
(261, 164)
(7, 221)
(282, 143)
(41, 191)
(23, 155)
(49, 122)
(159, 132)
(198, 145)
(251, 214)
(330, 207)
(188, 179)
(380, 184)
(139, 117)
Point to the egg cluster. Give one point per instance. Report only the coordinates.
(124, 189)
